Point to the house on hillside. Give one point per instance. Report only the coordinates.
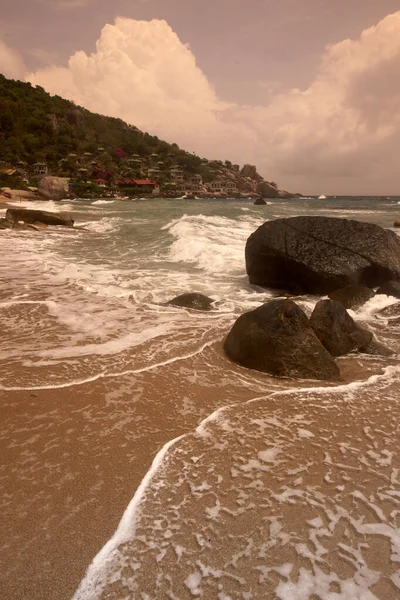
(230, 186)
(177, 174)
(101, 183)
(215, 186)
(40, 168)
(147, 186)
(195, 184)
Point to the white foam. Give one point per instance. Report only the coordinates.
(96, 575)
(104, 202)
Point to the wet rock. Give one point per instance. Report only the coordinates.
(6, 224)
(390, 311)
(192, 300)
(375, 348)
(53, 188)
(390, 288)
(396, 224)
(260, 202)
(277, 338)
(14, 215)
(336, 330)
(352, 296)
(321, 254)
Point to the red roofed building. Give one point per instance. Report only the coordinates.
(145, 186)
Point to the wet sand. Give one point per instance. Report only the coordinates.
(73, 458)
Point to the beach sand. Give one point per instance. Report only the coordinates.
(72, 458)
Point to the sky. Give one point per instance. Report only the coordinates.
(307, 90)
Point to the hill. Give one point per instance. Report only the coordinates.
(41, 134)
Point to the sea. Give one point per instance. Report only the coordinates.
(139, 462)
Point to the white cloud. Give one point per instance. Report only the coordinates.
(341, 134)
(11, 63)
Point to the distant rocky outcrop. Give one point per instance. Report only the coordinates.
(277, 338)
(53, 122)
(250, 171)
(53, 188)
(193, 300)
(266, 190)
(321, 254)
(16, 215)
(76, 118)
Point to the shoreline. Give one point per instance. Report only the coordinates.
(86, 407)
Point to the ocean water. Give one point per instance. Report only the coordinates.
(259, 487)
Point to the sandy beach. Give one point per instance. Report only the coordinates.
(274, 482)
(74, 457)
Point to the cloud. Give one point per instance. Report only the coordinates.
(11, 63)
(341, 133)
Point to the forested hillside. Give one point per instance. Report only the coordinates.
(35, 126)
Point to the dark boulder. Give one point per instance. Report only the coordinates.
(390, 288)
(277, 338)
(38, 216)
(336, 330)
(352, 296)
(259, 202)
(192, 300)
(321, 254)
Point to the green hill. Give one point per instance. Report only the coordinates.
(36, 127)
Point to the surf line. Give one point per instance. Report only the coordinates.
(60, 386)
(100, 569)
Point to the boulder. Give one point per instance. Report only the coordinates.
(251, 172)
(192, 300)
(321, 254)
(266, 190)
(390, 311)
(336, 330)
(352, 296)
(76, 118)
(260, 202)
(277, 338)
(375, 348)
(396, 224)
(390, 288)
(53, 188)
(14, 215)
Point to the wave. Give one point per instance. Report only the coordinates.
(272, 477)
(212, 243)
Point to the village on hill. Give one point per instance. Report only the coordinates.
(100, 156)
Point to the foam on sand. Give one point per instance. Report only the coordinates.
(252, 498)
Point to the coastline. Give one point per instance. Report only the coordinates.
(84, 415)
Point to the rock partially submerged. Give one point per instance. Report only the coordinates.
(15, 215)
(194, 301)
(260, 202)
(352, 296)
(277, 338)
(390, 288)
(321, 254)
(53, 188)
(336, 330)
